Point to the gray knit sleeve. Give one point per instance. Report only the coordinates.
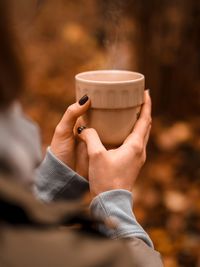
(117, 206)
(55, 180)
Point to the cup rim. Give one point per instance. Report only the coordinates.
(79, 78)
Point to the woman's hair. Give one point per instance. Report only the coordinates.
(11, 74)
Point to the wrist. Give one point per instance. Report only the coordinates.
(95, 190)
(63, 156)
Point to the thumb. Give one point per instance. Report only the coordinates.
(92, 140)
(66, 125)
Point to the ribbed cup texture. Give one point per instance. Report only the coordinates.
(112, 96)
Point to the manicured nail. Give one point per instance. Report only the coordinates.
(80, 129)
(83, 100)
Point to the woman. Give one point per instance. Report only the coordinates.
(29, 230)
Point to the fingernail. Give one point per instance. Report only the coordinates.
(83, 100)
(80, 129)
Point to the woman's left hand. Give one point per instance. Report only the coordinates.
(118, 168)
(64, 144)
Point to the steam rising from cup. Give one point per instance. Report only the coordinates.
(116, 43)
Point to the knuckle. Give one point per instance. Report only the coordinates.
(59, 130)
(71, 112)
(88, 132)
(97, 154)
(148, 120)
(138, 148)
(91, 131)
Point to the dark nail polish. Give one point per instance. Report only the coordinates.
(80, 129)
(83, 100)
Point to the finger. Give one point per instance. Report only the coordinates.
(136, 142)
(73, 112)
(92, 140)
(82, 160)
(80, 121)
(146, 139)
(141, 127)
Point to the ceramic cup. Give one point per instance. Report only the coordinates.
(116, 99)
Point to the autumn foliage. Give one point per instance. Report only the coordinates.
(158, 38)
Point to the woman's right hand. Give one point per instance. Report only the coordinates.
(118, 168)
(64, 144)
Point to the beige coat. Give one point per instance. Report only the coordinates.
(35, 234)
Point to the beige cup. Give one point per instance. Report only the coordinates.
(116, 98)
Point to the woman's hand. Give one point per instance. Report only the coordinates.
(118, 168)
(64, 145)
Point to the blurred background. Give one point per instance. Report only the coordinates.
(160, 38)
